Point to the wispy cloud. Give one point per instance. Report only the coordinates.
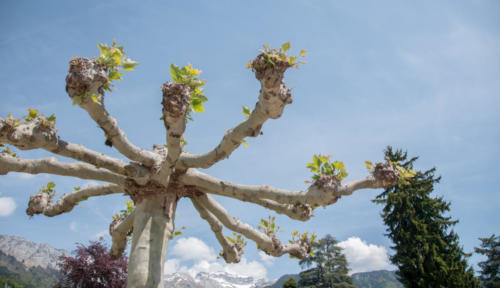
(7, 206)
(73, 226)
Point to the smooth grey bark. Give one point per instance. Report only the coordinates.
(152, 230)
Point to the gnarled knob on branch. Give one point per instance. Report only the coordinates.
(232, 255)
(37, 203)
(176, 97)
(85, 75)
(386, 173)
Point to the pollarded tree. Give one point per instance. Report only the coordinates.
(156, 179)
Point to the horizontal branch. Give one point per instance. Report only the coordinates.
(52, 166)
(270, 244)
(119, 230)
(85, 82)
(31, 135)
(297, 211)
(40, 203)
(273, 97)
(231, 252)
(323, 192)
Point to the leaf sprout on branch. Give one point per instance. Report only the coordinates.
(321, 166)
(113, 58)
(269, 226)
(273, 56)
(189, 76)
(49, 190)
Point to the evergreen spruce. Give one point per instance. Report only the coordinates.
(331, 266)
(428, 253)
(490, 269)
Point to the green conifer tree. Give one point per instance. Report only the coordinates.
(331, 266)
(290, 283)
(428, 253)
(490, 269)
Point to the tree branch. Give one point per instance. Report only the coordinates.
(119, 230)
(231, 252)
(40, 203)
(273, 97)
(297, 211)
(327, 190)
(85, 82)
(52, 166)
(33, 135)
(270, 244)
(176, 97)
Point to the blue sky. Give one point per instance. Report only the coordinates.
(422, 76)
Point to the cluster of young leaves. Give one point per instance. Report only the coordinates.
(273, 56)
(305, 237)
(321, 166)
(46, 122)
(237, 239)
(113, 58)
(269, 226)
(124, 213)
(404, 173)
(178, 232)
(49, 190)
(77, 100)
(6, 149)
(189, 76)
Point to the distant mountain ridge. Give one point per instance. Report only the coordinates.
(373, 279)
(29, 253)
(27, 263)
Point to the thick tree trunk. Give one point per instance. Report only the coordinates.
(153, 226)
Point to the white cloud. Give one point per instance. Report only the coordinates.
(171, 266)
(7, 206)
(363, 257)
(73, 226)
(205, 260)
(267, 259)
(193, 249)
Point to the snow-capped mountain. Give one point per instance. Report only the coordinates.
(214, 280)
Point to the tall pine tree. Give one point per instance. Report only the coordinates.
(428, 253)
(331, 266)
(490, 268)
